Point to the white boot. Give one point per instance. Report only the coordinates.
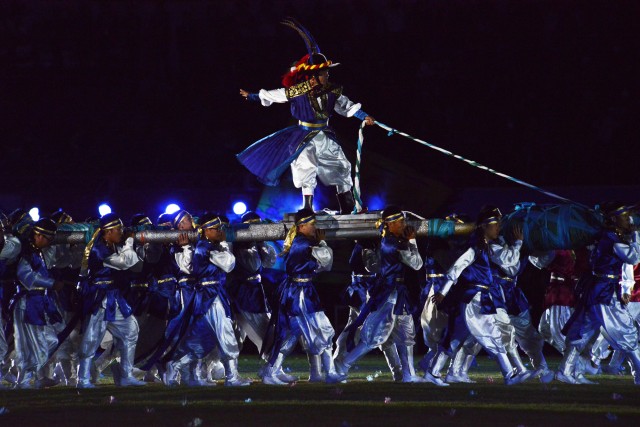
(567, 367)
(84, 373)
(343, 366)
(315, 368)
(405, 352)
(433, 375)
(232, 377)
(393, 360)
(456, 367)
(270, 372)
(613, 368)
(331, 376)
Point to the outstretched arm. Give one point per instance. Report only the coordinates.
(266, 97)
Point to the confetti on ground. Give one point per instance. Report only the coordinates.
(451, 412)
(490, 380)
(369, 377)
(387, 400)
(616, 396)
(377, 374)
(3, 410)
(611, 416)
(196, 422)
(337, 391)
(149, 410)
(112, 399)
(248, 400)
(473, 393)
(184, 401)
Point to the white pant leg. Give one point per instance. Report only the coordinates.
(253, 325)
(551, 323)
(33, 342)
(224, 331)
(379, 324)
(4, 348)
(634, 310)
(321, 158)
(528, 338)
(506, 328)
(404, 331)
(618, 325)
(315, 328)
(483, 327)
(341, 342)
(433, 322)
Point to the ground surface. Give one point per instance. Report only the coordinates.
(370, 398)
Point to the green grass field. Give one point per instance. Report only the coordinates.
(373, 401)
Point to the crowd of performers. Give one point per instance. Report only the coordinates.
(179, 312)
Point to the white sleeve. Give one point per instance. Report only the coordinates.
(411, 257)
(223, 258)
(125, 258)
(184, 258)
(324, 255)
(345, 107)
(268, 97)
(542, 260)
(11, 249)
(629, 253)
(627, 281)
(465, 260)
(268, 255)
(504, 255)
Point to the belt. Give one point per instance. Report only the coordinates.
(210, 282)
(312, 125)
(482, 287)
(103, 282)
(363, 276)
(37, 289)
(432, 276)
(508, 279)
(399, 279)
(139, 285)
(186, 279)
(606, 276)
(556, 277)
(256, 277)
(302, 279)
(170, 279)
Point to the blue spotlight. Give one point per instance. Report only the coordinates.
(104, 209)
(172, 208)
(34, 213)
(239, 208)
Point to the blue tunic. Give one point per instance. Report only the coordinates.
(105, 281)
(39, 305)
(247, 292)
(269, 157)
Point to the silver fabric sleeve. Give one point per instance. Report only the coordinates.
(627, 281)
(223, 259)
(125, 258)
(542, 260)
(30, 279)
(628, 253)
(324, 255)
(412, 257)
(184, 258)
(464, 261)
(268, 97)
(11, 249)
(345, 107)
(505, 256)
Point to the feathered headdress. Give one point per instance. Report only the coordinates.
(314, 60)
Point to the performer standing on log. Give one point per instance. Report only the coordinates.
(311, 147)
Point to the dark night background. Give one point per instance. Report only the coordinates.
(136, 102)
